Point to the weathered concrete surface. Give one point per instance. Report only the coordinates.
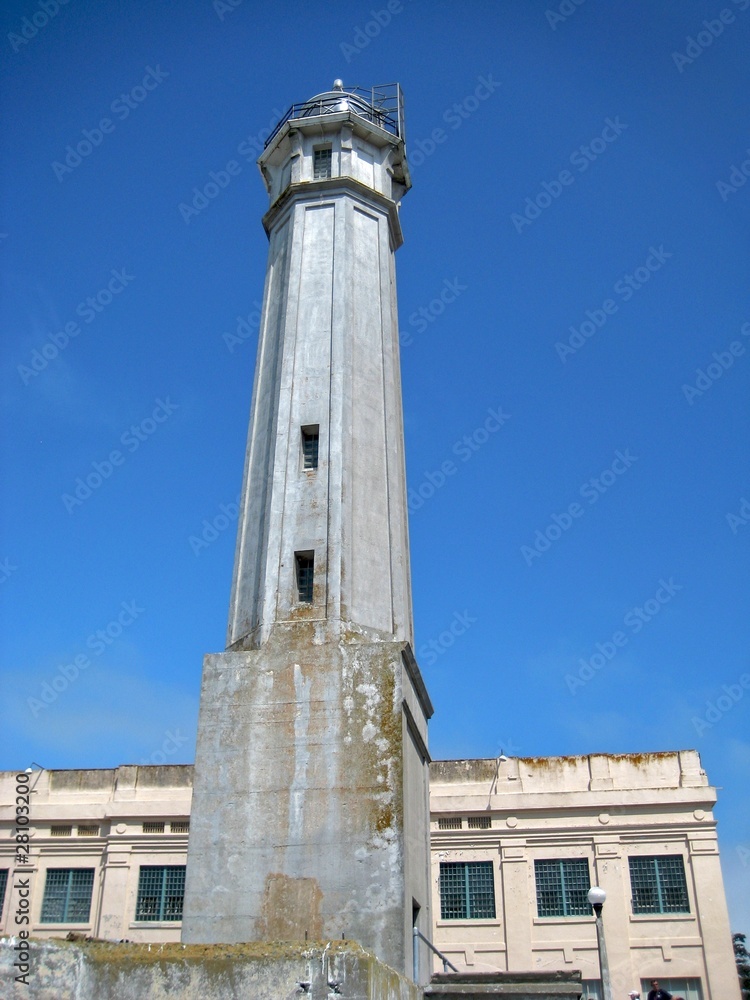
(328, 356)
(516, 985)
(300, 827)
(310, 807)
(100, 971)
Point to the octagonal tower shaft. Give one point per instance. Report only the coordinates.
(324, 492)
(310, 814)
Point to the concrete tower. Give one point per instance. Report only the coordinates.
(310, 807)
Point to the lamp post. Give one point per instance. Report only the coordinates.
(596, 897)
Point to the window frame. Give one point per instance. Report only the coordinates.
(564, 888)
(327, 162)
(4, 879)
(467, 891)
(72, 895)
(304, 563)
(146, 892)
(659, 887)
(310, 435)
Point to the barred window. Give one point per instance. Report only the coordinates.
(67, 895)
(88, 830)
(161, 890)
(310, 439)
(3, 887)
(304, 564)
(450, 823)
(61, 831)
(153, 826)
(479, 822)
(179, 826)
(467, 890)
(658, 884)
(322, 162)
(562, 886)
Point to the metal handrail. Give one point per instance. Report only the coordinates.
(384, 106)
(446, 961)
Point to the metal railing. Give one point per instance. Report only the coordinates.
(383, 106)
(417, 936)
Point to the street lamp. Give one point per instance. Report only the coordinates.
(596, 897)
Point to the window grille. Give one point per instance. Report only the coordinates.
(658, 884)
(322, 159)
(180, 826)
(161, 890)
(88, 830)
(61, 831)
(562, 886)
(479, 822)
(153, 827)
(304, 564)
(467, 890)
(450, 823)
(67, 895)
(3, 887)
(310, 438)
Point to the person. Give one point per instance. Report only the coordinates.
(658, 994)
(634, 995)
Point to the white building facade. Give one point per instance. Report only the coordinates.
(515, 846)
(517, 843)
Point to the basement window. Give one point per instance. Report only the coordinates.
(88, 830)
(322, 158)
(304, 564)
(61, 831)
(310, 439)
(152, 826)
(180, 826)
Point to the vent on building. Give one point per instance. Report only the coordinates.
(322, 163)
(61, 831)
(479, 822)
(88, 830)
(450, 823)
(180, 826)
(153, 827)
(304, 563)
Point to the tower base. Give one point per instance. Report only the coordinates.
(310, 803)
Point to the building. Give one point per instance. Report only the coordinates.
(310, 808)
(518, 842)
(515, 845)
(107, 852)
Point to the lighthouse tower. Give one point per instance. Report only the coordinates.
(310, 805)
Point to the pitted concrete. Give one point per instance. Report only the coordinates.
(310, 774)
(100, 971)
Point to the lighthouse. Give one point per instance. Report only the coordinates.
(310, 807)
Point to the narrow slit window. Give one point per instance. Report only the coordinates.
(304, 565)
(310, 438)
(322, 159)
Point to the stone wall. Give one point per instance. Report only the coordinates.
(61, 970)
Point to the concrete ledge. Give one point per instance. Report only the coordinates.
(518, 985)
(96, 970)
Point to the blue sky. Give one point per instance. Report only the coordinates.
(580, 571)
